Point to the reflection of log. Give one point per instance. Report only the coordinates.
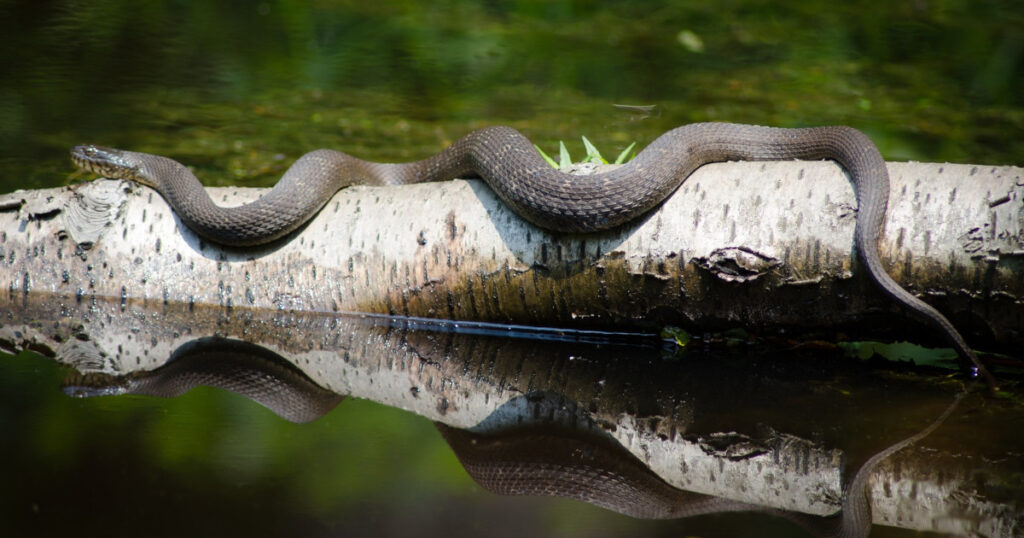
(677, 417)
(736, 242)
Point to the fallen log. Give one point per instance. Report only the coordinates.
(767, 246)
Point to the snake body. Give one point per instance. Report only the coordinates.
(548, 198)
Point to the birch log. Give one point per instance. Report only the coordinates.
(766, 246)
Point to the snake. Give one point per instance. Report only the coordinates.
(548, 198)
(521, 459)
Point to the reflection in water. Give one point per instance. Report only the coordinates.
(239, 367)
(518, 455)
(702, 432)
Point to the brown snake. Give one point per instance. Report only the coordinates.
(548, 198)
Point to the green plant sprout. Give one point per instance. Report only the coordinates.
(593, 155)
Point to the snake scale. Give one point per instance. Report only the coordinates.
(548, 198)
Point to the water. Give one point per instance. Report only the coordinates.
(771, 429)
(239, 91)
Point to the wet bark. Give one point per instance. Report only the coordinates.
(766, 246)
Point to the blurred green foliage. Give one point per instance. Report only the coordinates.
(240, 89)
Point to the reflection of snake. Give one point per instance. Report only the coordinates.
(535, 461)
(240, 367)
(559, 463)
(544, 196)
(526, 460)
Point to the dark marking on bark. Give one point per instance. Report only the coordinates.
(473, 312)
(46, 214)
(999, 201)
(495, 300)
(452, 226)
(11, 204)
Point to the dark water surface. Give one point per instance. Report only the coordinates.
(239, 90)
(787, 428)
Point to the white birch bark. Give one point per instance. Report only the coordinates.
(758, 245)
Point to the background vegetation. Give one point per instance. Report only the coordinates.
(240, 89)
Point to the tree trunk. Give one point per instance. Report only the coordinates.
(767, 246)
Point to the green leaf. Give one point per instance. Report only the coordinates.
(901, 351)
(681, 337)
(545, 157)
(563, 156)
(593, 155)
(625, 153)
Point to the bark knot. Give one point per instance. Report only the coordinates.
(737, 264)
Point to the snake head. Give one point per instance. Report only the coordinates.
(108, 162)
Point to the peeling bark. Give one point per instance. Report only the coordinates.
(763, 245)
